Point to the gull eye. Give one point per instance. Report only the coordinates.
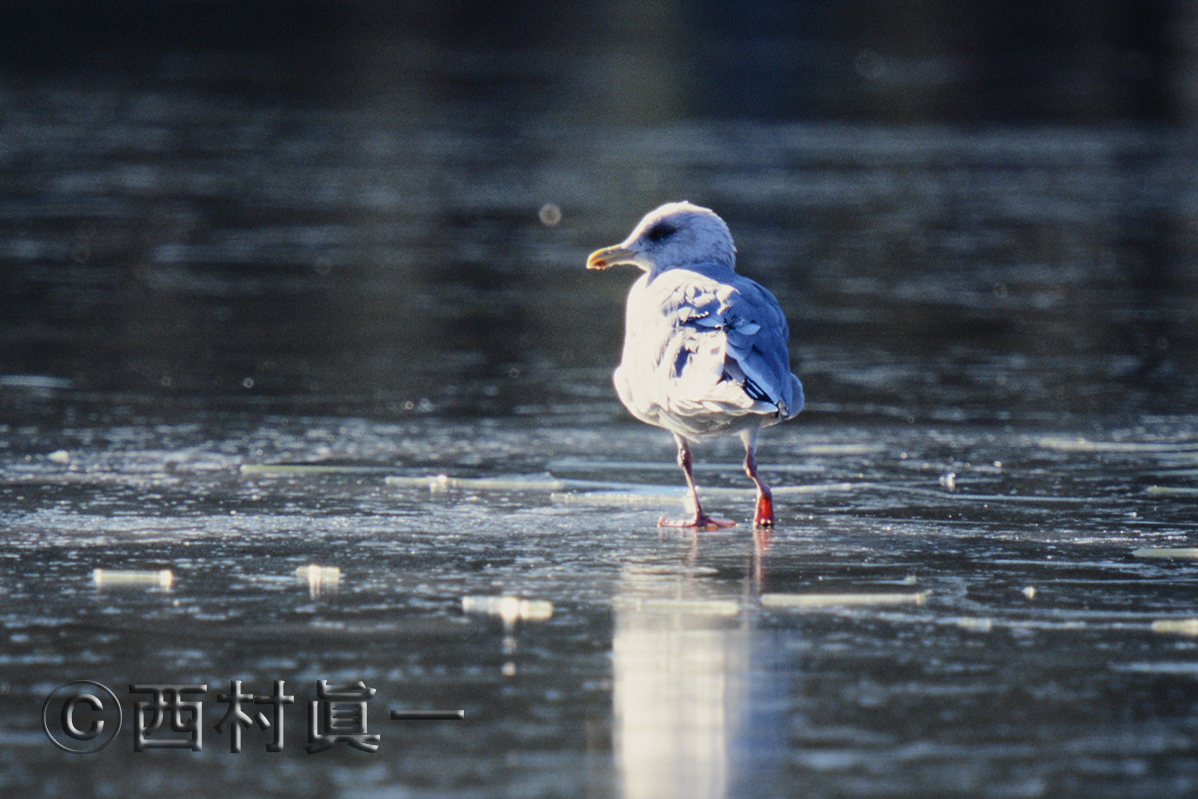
(659, 232)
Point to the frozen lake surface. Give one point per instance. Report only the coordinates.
(245, 341)
(1033, 646)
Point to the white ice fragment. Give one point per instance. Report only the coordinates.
(1176, 626)
(1158, 667)
(1174, 491)
(1180, 554)
(319, 578)
(298, 469)
(35, 382)
(827, 600)
(509, 608)
(689, 607)
(60, 456)
(617, 466)
(671, 569)
(1085, 445)
(1029, 592)
(444, 482)
(949, 481)
(652, 495)
(111, 578)
(982, 625)
(625, 499)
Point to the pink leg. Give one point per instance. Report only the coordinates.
(764, 517)
(701, 520)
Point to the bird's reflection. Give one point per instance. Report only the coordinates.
(700, 698)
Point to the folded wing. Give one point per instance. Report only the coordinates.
(709, 348)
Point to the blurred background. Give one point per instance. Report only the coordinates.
(982, 209)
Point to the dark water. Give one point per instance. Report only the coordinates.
(206, 291)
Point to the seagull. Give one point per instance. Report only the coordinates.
(705, 349)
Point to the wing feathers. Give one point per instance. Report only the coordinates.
(705, 346)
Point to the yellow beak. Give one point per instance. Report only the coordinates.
(611, 256)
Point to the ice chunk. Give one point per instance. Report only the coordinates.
(828, 600)
(111, 578)
(509, 608)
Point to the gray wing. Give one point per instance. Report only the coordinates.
(717, 351)
(756, 335)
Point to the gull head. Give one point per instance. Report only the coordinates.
(676, 234)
